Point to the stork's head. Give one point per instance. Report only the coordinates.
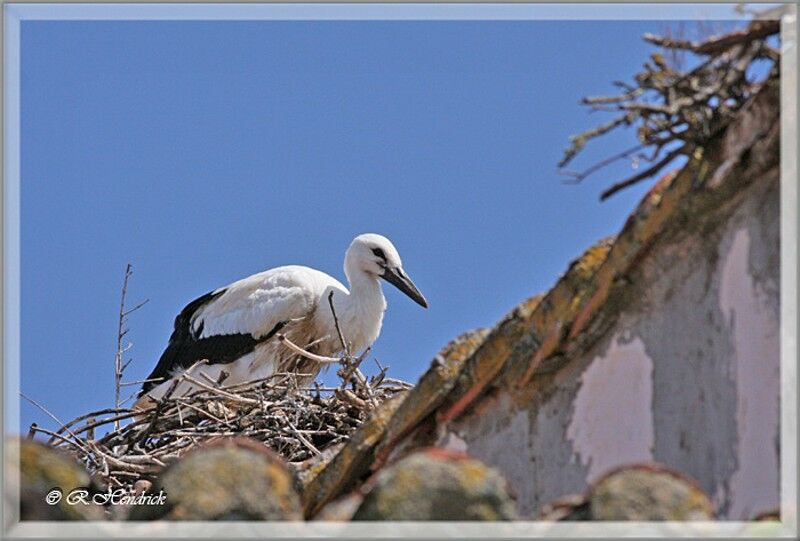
(375, 256)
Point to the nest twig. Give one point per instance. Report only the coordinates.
(677, 111)
(120, 364)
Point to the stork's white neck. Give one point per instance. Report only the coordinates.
(361, 312)
(366, 293)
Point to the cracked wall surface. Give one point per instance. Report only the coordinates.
(688, 375)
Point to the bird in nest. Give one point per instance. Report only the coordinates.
(250, 329)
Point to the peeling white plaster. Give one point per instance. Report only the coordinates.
(612, 423)
(453, 442)
(717, 400)
(754, 485)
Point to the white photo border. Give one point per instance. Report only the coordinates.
(15, 13)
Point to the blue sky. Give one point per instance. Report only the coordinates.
(202, 152)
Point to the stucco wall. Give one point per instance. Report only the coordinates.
(688, 375)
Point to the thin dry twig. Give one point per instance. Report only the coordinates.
(345, 345)
(119, 364)
(49, 414)
(758, 29)
(350, 371)
(307, 354)
(647, 173)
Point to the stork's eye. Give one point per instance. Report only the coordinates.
(379, 253)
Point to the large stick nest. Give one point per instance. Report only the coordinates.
(297, 423)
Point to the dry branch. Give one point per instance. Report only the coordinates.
(759, 29)
(676, 112)
(119, 364)
(647, 173)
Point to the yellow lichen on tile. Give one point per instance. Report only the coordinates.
(431, 389)
(486, 362)
(555, 314)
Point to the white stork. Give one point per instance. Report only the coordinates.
(233, 328)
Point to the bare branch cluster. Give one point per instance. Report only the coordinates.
(676, 111)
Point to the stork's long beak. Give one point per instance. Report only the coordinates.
(401, 281)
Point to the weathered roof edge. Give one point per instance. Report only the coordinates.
(542, 333)
(573, 314)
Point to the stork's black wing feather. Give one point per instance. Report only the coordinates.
(184, 349)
